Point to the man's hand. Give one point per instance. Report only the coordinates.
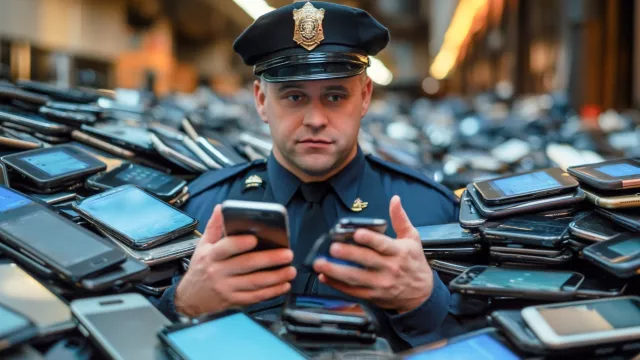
(223, 274)
(396, 274)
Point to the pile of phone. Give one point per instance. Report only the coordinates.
(325, 320)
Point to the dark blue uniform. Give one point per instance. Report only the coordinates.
(367, 178)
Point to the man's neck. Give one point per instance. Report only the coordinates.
(305, 177)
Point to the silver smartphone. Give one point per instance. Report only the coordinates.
(173, 250)
(267, 221)
(24, 294)
(176, 157)
(586, 323)
(124, 326)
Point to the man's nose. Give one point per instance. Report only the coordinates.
(316, 117)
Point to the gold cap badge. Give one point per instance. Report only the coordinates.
(253, 181)
(358, 205)
(308, 31)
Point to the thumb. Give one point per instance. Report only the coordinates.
(400, 221)
(215, 227)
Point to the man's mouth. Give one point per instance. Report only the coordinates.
(315, 141)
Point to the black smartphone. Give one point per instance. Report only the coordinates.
(226, 335)
(132, 138)
(452, 252)
(15, 328)
(49, 169)
(599, 286)
(343, 231)
(565, 257)
(12, 115)
(113, 210)
(63, 94)
(609, 175)
(267, 221)
(517, 331)
(177, 153)
(595, 228)
(561, 201)
(518, 249)
(161, 185)
(470, 217)
(16, 94)
(619, 256)
(73, 253)
(630, 219)
(57, 198)
(527, 186)
(73, 119)
(102, 145)
(326, 311)
(517, 283)
(534, 230)
(481, 344)
(446, 235)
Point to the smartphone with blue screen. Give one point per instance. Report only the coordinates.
(609, 175)
(526, 186)
(230, 334)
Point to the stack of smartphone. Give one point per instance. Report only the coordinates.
(75, 256)
(147, 228)
(449, 241)
(531, 192)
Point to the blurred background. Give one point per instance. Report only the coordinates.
(560, 78)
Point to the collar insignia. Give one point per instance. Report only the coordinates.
(253, 181)
(358, 205)
(308, 31)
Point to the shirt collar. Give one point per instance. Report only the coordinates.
(345, 183)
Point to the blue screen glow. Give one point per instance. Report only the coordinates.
(619, 170)
(231, 337)
(482, 347)
(11, 200)
(56, 163)
(526, 183)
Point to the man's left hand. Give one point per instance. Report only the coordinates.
(396, 275)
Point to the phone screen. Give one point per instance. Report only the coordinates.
(521, 184)
(70, 245)
(131, 332)
(11, 200)
(153, 217)
(327, 305)
(11, 322)
(144, 178)
(595, 317)
(24, 294)
(55, 163)
(521, 279)
(442, 232)
(628, 247)
(481, 347)
(234, 336)
(536, 225)
(619, 170)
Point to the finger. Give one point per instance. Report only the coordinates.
(358, 254)
(264, 279)
(400, 220)
(258, 260)
(215, 227)
(355, 291)
(245, 298)
(376, 241)
(233, 245)
(347, 274)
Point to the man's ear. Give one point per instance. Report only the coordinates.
(367, 91)
(260, 97)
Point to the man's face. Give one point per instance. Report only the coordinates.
(314, 124)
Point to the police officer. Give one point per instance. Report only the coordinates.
(313, 91)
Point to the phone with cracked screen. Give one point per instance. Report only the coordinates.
(518, 283)
(533, 230)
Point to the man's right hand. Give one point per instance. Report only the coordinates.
(224, 274)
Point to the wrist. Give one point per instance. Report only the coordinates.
(181, 302)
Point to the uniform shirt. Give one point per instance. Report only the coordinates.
(366, 178)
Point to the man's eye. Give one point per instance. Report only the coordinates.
(295, 98)
(335, 98)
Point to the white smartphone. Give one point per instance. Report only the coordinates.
(123, 326)
(586, 323)
(24, 294)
